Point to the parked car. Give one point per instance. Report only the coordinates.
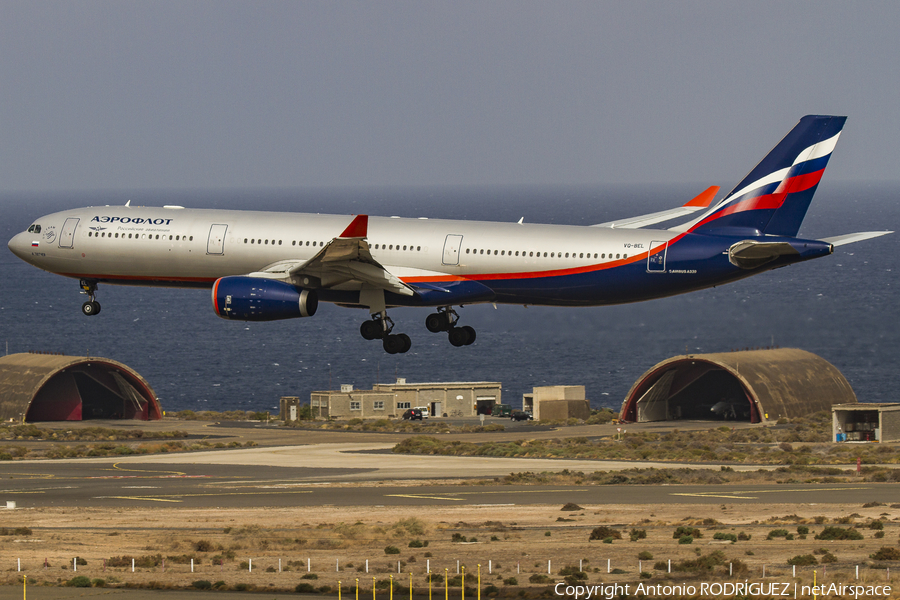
(425, 412)
(412, 414)
(501, 410)
(520, 415)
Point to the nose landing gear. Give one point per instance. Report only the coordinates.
(91, 307)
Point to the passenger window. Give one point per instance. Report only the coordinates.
(404, 247)
(617, 256)
(467, 250)
(495, 253)
(624, 256)
(482, 251)
(192, 239)
(418, 248)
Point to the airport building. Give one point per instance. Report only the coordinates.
(754, 386)
(55, 387)
(866, 422)
(557, 403)
(391, 400)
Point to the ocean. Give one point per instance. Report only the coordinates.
(843, 307)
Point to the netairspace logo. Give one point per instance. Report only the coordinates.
(769, 589)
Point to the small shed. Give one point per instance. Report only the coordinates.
(557, 403)
(866, 422)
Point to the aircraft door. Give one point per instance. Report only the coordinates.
(216, 243)
(451, 249)
(656, 261)
(67, 235)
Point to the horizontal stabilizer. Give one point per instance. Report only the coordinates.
(750, 255)
(854, 237)
(703, 200)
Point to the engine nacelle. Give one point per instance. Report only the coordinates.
(259, 299)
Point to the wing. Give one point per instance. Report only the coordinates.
(699, 202)
(344, 259)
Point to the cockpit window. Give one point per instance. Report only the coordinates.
(34, 229)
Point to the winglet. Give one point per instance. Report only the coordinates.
(358, 228)
(705, 197)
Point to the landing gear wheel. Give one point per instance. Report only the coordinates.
(458, 336)
(407, 343)
(372, 330)
(470, 332)
(397, 344)
(436, 322)
(443, 320)
(90, 308)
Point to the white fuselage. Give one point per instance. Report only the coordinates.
(194, 247)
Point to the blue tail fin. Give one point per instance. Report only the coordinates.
(774, 197)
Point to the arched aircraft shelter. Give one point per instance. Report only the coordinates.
(752, 386)
(53, 387)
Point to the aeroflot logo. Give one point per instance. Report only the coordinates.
(134, 220)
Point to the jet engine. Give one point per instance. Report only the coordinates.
(259, 299)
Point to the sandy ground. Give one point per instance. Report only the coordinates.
(335, 543)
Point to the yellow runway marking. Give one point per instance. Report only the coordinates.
(156, 496)
(116, 467)
(419, 497)
(705, 495)
(147, 498)
(519, 492)
(425, 497)
(734, 495)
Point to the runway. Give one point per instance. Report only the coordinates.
(347, 475)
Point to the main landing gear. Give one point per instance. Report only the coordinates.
(379, 328)
(445, 319)
(91, 307)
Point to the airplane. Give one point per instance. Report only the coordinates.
(264, 266)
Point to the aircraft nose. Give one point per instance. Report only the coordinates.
(19, 246)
